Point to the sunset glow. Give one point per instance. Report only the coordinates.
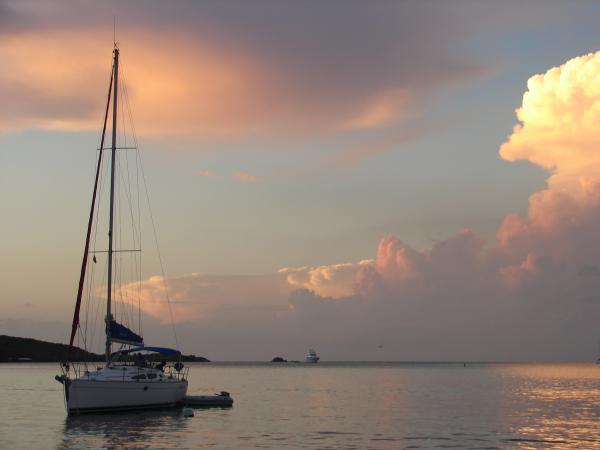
(359, 174)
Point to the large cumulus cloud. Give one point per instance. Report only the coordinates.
(558, 122)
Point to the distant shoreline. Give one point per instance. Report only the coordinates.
(27, 350)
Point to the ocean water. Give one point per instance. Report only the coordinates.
(327, 406)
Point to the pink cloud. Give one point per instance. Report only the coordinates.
(542, 271)
(217, 71)
(355, 155)
(335, 280)
(204, 173)
(197, 297)
(384, 109)
(245, 177)
(557, 131)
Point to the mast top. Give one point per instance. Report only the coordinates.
(115, 32)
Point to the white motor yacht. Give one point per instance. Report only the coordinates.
(311, 356)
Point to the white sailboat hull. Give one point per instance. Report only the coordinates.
(85, 396)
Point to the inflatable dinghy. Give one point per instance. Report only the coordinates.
(207, 401)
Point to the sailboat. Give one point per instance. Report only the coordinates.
(128, 380)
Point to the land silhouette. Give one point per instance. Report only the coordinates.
(18, 349)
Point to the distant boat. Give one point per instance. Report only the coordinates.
(311, 356)
(128, 381)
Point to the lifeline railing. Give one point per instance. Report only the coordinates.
(82, 369)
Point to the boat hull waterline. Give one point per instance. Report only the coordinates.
(86, 396)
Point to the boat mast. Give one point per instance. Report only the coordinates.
(112, 197)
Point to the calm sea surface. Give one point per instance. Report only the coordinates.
(328, 405)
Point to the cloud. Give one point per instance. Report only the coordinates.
(228, 69)
(199, 88)
(353, 156)
(335, 280)
(384, 109)
(559, 233)
(556, 131)
(558, 122)
(532, 293)
(245, 177)
(204, 173)
(197, 297)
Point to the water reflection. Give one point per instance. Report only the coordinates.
(358, 405)
(555, 405)
(149, 429)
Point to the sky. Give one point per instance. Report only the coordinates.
(391, 180)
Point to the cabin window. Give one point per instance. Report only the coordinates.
(151, 375)
(138, 377)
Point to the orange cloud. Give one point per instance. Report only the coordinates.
(196, 297)
(175, 86)
(335, 280)
(559, 131)
(156, 293)
(559, 119)
(385, 108)
(398, 260)
(355, 155)
(204, 173)
(245, 177)
(556, 245)
(225, 70)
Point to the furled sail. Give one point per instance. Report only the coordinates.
(123, 335)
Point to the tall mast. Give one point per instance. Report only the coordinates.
(112, 198)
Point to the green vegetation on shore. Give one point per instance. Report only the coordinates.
(17, 349)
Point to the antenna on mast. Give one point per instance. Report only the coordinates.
(115, 30)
